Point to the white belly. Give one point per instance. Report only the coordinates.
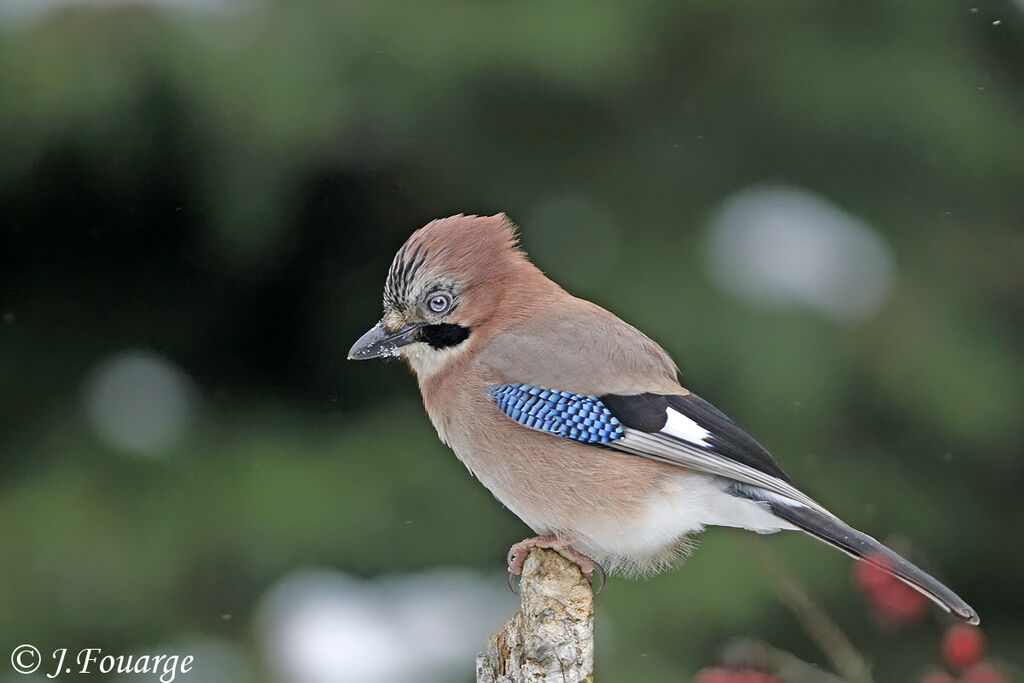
(657, 538)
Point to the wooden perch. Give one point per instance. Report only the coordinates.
(551, 639)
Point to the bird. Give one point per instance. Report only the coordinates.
(577, 421)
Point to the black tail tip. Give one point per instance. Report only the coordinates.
(968, 615)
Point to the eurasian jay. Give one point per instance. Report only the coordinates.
(575, 420)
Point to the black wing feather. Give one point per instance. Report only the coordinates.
(725, 441)
(647, 413)
(861, 546)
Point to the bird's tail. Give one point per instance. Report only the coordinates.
(831, 530)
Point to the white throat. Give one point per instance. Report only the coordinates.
(426, 361)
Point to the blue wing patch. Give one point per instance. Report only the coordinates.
(573, 416)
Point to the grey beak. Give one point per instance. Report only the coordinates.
(378, 342)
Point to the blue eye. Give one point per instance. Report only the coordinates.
(439, 303)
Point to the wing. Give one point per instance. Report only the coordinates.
(634, 383)
(556, 347)
(684, 430)
(681, 430)
(691, 421)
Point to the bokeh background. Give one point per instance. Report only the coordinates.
(818, 209)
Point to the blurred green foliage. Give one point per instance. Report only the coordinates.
(226, 188)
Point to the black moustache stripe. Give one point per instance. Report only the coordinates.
(443, 336)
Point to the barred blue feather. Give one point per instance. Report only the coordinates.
(573, 416)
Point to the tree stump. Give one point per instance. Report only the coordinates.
(551, 638)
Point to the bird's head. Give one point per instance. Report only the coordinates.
(443, 285)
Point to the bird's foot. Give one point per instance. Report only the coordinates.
(517, 554)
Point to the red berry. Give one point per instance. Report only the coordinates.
(982, 672)
(937, 677)
(721, 674)
(899, 603)
(754, 676)
(963, 645)
(870, 575)
(893, 601)
(713, 674)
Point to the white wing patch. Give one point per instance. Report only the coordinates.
(682, 427)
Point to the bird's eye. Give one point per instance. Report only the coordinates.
(439, 303)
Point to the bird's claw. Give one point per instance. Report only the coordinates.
(598, 573)
(517, 554)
